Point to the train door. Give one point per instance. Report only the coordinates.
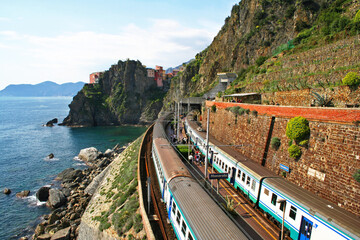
(233, 174)
(211, 157)
(305, 229)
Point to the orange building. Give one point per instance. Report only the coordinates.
(94, 77)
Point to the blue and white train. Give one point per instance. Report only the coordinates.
(191, 211)
(307, 216)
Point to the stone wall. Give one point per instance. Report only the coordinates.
(326, 165)
(341, 96)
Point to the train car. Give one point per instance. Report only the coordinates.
(191, 211)
(244, 174)
(307, 216)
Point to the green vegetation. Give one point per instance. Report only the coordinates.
(230, 205)
(351, 79)
(183, 149)
(122, 214)
(357, 175)
(213, 108)
(275, 143)
(298, 129)
(294, 151)
(322, 101)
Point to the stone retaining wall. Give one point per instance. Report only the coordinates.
(326, 166)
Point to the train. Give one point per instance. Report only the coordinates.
(306, 216)
(192, 213)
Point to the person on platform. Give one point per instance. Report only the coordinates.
(191, 158)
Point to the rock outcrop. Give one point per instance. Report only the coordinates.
(124, 95)
(70, 201)
(89, 155)
(23, 194)
(43, 194)
(7, 191)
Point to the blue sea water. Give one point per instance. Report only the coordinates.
(24, 146)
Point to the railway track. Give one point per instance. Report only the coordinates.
(155, 208)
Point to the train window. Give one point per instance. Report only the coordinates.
(266, 191)
(248, 181)
(273, 199)
(292, 213)
(178, 217)
(243, 177)
(253, 185)
(225, 168)
(282, 205)
(222, 165)
(190, 237)
(174, 207)
(239, 174)
(229, 170)
(183, 227)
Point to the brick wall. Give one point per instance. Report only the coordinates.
(332, 154)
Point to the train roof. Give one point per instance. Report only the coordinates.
(256, 169)
(318, 206)
(170, 161)
(204, 216)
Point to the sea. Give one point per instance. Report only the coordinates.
(24, 146)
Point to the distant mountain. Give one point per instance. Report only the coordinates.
(44, 89)
(169, 70)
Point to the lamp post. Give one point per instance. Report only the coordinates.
(282, 201)
(207, 144)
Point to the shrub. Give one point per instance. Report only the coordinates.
(294, 151)
(241, 111)
(235, 110)
(260, 60)
(351, 79)
(275, 143)
(298, 129)
(357, 16)
(254, 113)
(357, 175)
(304, 143)
(213, 108)
(247, 111)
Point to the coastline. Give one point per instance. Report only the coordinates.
(77, 188)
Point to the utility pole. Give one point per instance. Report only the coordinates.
(207, 143)
(178, 122)
(175, 116)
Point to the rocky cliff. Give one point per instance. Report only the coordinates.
(124, 95)
(257, 31)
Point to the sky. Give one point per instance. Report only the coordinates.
(65, 41)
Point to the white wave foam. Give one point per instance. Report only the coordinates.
(76, 158)
(80, 164)
(33, 201)
(47, 159)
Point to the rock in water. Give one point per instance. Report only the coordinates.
(51, 155)
(51, 122)
(7, 191)
(43, 194)
(23, 194)
(56, 198)
(89, 154)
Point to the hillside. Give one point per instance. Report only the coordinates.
(44, 89)
(278, 46)
(124, 95)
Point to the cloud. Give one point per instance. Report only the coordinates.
(72, 56)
